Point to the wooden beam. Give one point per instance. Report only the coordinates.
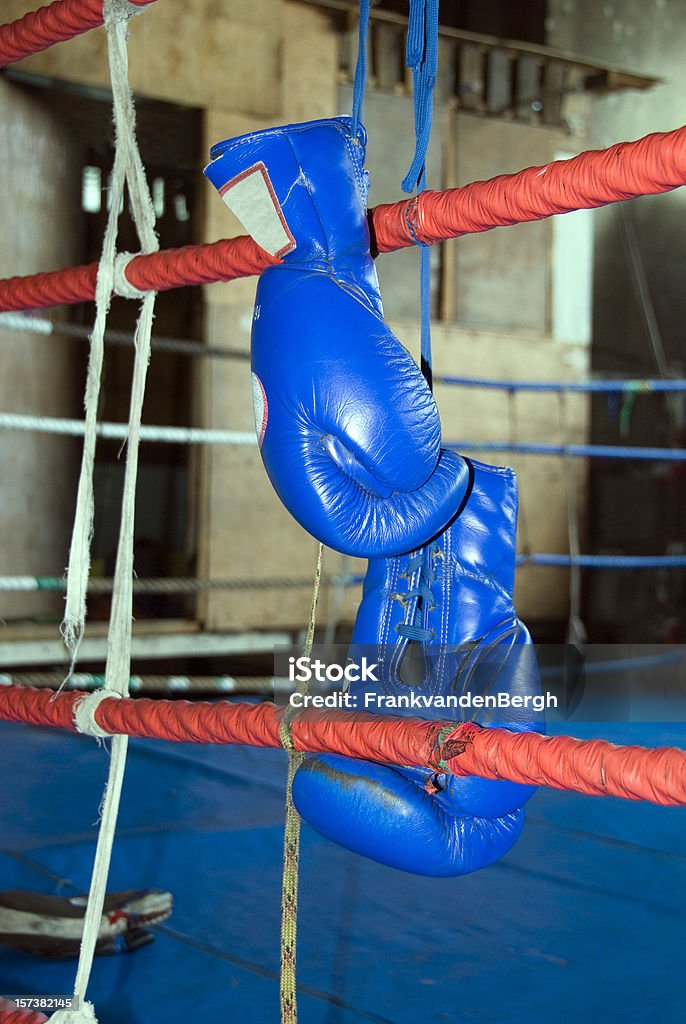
(616, 78)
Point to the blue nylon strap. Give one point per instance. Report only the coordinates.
(361, 66)
(425, 305)
(421, 56)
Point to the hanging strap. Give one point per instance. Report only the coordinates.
(422, 57)
(361, 66)
(291, 844)
(425, 303)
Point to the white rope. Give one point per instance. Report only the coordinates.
(74, 620)
(84, 1015)
(165, 585)
(120, 431)
(182, 346)
(122, 10)
(127, 167)
(22, 322)
(19, 583)
(148, 683)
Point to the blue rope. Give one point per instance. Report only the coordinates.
(585, 562)
(609, 386)
(361, 66)
(606, 561)
(421, 55)
(627, 664)
(424, 600)
(425, 304)
(597, 451)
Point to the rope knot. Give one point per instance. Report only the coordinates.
(114, 11)
(84, 712)
(448, 745)
(121, 285)
(413, 219)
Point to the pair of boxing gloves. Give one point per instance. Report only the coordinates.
(350, 437)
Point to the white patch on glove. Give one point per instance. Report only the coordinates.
(251, 197)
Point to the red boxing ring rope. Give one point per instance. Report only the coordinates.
(653, 165)
(650, 166)
(209, 263)
(55, 23)
(21, 1017)
(595, 767)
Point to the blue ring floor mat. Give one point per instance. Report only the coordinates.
(582, 921)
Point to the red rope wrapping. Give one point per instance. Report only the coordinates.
(654, 164)
(587, 766)
(56, 288)
(55, 23)
(225, 260)
(21, 1017)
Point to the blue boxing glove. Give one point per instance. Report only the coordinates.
(441, 625)
(348, 429)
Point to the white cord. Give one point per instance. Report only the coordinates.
(128, 168)
(120, 431)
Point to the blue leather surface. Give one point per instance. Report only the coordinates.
(474, 644)
(351, 435)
